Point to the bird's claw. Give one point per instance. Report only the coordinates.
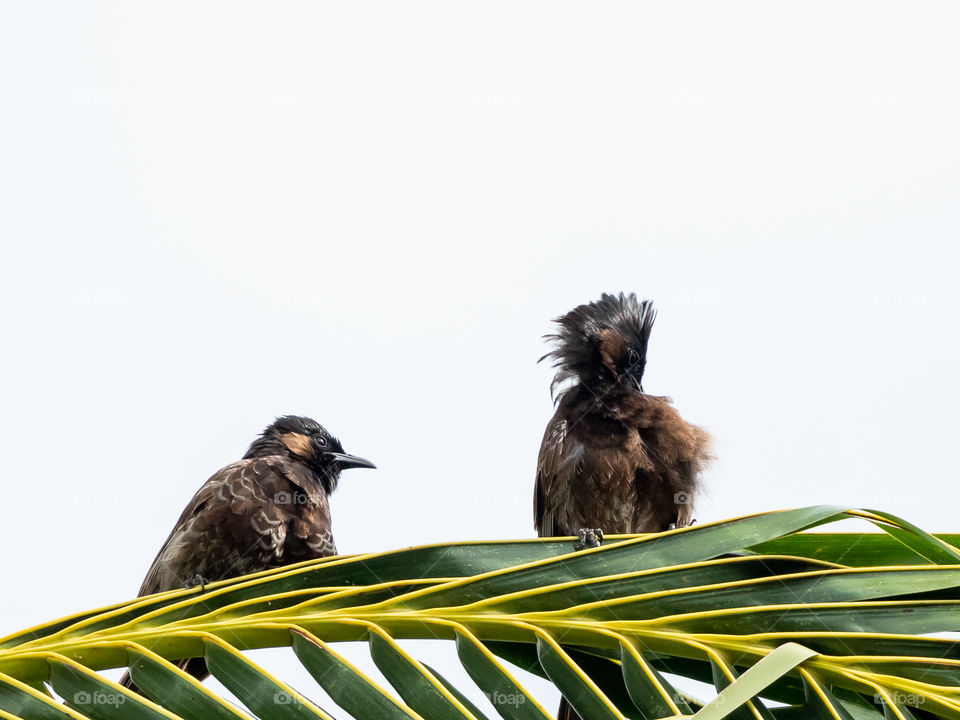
(197, 579)
(679, 524)
(588, 538)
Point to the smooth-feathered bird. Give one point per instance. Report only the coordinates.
(268, 510)
(613, 458)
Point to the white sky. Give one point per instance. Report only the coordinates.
(215, 213)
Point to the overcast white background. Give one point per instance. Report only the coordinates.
(215, 213)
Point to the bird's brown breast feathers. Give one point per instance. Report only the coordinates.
(630, 466)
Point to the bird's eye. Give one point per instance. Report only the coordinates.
(321, 441)
(633, 358)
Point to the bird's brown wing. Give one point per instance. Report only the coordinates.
(550, 464)
(675, 453)
(236, 523)
(251, 515)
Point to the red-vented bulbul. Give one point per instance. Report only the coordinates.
(268, 510)
(613, 457)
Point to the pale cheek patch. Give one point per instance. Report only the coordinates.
(298, 444)
(611, 349)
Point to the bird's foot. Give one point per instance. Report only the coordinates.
(588, 538)
(681, 524)
(197, 579)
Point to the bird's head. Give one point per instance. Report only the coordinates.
(308, 442)
(602, 345)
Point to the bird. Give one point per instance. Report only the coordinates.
(613, 458)
(268, 510)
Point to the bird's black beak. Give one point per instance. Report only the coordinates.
(350, 461)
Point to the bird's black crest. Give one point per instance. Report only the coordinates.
(576, 349)
(295, 423)
(269, 444)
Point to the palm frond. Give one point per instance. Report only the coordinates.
(783, 623)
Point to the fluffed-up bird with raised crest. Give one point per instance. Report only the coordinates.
(613, 459)
(268, 510)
